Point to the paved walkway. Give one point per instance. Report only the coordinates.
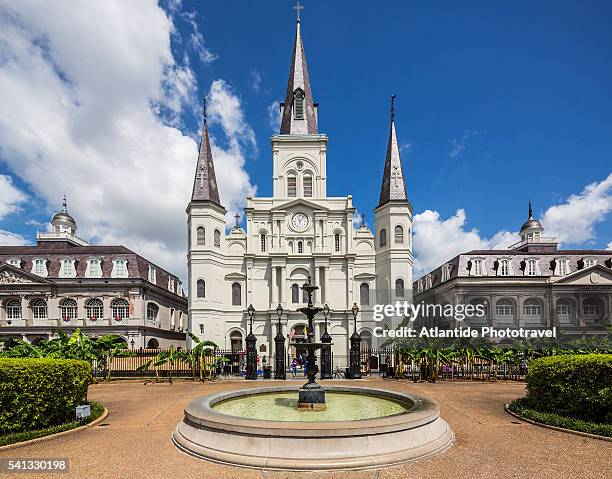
(134, 440)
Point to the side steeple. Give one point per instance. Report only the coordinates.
(299, 112)
(393, 185)
(205, 182)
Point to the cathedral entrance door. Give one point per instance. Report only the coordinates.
(297, 335)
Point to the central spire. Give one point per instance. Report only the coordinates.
(393, 186)
(299, 110)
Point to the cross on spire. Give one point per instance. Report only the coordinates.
(530, 210)
(64, 204)
(297, 9)
(392, 107)
(204, 102)
(237, 216)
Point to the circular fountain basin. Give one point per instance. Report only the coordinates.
(361, 428)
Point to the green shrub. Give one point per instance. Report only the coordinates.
(577, 386)
(565, 422)
(40, 393)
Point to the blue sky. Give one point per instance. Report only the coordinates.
(497, 104)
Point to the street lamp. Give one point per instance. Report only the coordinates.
(251, 311)
(355, 352)
(132, 343)
(355, 310)
(326, 356)
(251, 348)
(280, 370)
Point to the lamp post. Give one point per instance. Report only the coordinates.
(326, 358)
(251, 348)
(355, 353)
(132, 343)
(280, 370)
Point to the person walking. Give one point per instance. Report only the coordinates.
(294, 367)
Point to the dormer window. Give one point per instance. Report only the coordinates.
(588, 262)
(39, 267)
(67, 269)
(477, 267)
(563, 267)
(446, 272)
(531, 267)
(504, 267)
(16, 262)
(171, 284)
(298, 105)
(152, 275)
(94, 268)
(119, 268)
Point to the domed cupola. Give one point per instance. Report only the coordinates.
(531, 229)
(62, 222)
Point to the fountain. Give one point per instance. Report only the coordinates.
(311, 395)
(339, 427)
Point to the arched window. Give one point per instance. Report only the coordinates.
(153, 344)
(383, 237)
(68, 309)
(304, 297)
(364, 294)
(480, 305)
(564, 310)
(201, 288)
(39, 309)
(120, 309)
(366, 340)
(236, 294)
(94, 309)
(262, 242)
(399, 288)
(337, 242)
(298, 105)
(504, 309)
(399, 234)
(217, 239)
(532, 309)
(291, 186)
(300, 247)
(307, 183)
(295, 293)
(201, 236)
(236, 341)
(13, 309)
(591, 307)
(152, 311)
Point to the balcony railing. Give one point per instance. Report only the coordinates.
(542, 240)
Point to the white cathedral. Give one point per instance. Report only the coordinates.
(299, 232)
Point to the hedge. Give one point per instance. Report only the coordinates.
(40, 393)
(577, 386)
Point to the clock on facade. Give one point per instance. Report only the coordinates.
(299, 221)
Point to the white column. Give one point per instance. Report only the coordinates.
(283, 288)
(274, 287)
(317, 282)
(327, 296)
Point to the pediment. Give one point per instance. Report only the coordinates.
(12, 275)
(596, 275)
(235, 276)
(365, 276)
(300, 202)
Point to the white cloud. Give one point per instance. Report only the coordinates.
(459, 144)
(12, 239)
(196, 39)
(573, 222)
(255, 80)
(437, 240)
(609, 246)
(274, 116)
(83, 110)
(10, 196)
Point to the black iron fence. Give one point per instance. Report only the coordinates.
(384, 362)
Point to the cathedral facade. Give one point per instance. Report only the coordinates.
(298, 233)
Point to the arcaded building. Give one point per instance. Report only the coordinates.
(532, 284)
(64, 283)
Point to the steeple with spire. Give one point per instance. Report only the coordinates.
(299, 112)
(205, 182)
(393, 186)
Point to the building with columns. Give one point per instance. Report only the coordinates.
(299, 232)
(64, 283)
(532, 284)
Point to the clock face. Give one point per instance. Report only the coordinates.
(299, 221)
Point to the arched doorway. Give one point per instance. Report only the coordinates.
(153, 344)
(236, 341)
(297, 335)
